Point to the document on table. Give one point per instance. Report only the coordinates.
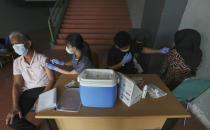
(47, 100)
(69, 101)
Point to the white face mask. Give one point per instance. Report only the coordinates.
(126, 50)
(20, 49)
(69, 51)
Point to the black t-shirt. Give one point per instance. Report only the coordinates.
(115, 56)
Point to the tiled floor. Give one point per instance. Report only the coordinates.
(41, 41)
(5, 96)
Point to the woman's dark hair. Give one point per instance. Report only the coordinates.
(187, 43)
(75, 40)
(122, 39)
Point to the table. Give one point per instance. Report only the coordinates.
(146, 114)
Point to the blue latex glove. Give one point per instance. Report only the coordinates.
(55, 61)
(51, 66)
(164, 50)
(127, 58)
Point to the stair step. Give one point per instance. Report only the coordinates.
(96, 3)
(100, 10)
(97, 9)
(92, 1)
(95, 41)
(96, 6)
(98, 13)
(90, 36)
(99, 26)
(96, 22)
(92, 47)
(96, 17)
(99, 1)
(103, 31)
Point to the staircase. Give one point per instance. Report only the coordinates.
(96, 20)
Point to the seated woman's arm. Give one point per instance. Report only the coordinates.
(69, 63)
(84, 64)
(66, 71)
(59, 62)
(55, 68)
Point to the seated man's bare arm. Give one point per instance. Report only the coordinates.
(17, 89)
(51, 78)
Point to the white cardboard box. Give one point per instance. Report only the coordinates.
(129, 92)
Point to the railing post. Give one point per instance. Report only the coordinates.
(55, 18)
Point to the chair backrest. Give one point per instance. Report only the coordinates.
(95, 59)
(7, 41)
(7, 54)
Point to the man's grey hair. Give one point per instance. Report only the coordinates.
(21, 35)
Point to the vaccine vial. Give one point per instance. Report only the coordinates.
(144, 92)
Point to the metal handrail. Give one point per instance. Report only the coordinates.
(56, 16)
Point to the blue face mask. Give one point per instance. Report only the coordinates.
(20, 49)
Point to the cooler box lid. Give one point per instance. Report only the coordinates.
(98, 78)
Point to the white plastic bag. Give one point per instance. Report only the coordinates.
(155, 92)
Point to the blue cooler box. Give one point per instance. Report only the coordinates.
(98, 87)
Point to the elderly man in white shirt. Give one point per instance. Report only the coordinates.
(31, 78)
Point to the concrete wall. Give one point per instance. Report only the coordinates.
(26, 19)
(136, 9)
(169, 23)
(152, 16)
(197, 16)
(161, 18)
